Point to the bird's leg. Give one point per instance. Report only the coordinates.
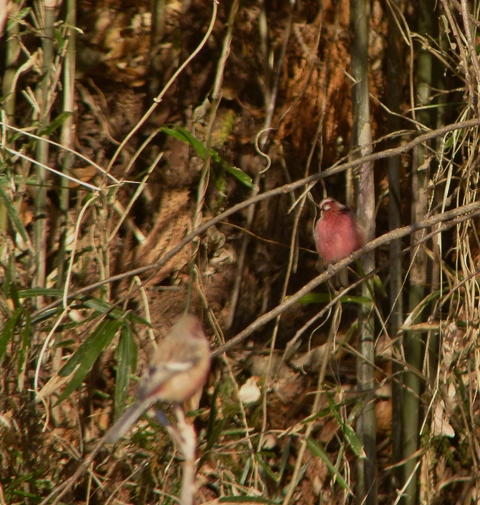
(331, 270)
(188, 441)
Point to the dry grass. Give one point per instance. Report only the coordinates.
(110, 233)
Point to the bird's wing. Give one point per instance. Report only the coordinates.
(162, 373)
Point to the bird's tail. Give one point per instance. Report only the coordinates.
(120, 428)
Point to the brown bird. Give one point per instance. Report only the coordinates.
(177, 371)
(337, 234)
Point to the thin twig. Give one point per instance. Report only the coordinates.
(285, 189)
(159, 98)
(316, 403)
(456, 217)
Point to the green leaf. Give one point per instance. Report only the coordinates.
(315, 298)
(286, 453)
(238, 174)
(318, 451)
(34, 292)
(215, 424)
(26, 338)
(266, 468)
(215, 427)
(84, 358)
(60, 41)
(379, 286)
(15, 217)
(185, 136)
(350, 435)
(135, 318)
(10, 285)
(103, 307)
(326, 298)
(359, 300)
(220, 182)
(353, 441)
(8, 331)
(13, 20)
(320, 414)
(127, 360)
(93, 345)
(45, 315)
(54, 124)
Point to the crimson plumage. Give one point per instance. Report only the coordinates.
(337, 233)
(178, 369)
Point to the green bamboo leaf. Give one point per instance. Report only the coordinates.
(46, 315)
(350, 435)
(93, 345)
(238, 174)
(8, 331)
(60, 40)
(353, 441)
(286, 453)
(220, 182)
(315, 298)
(127, 360)
(13, 20)
(318, 451)
(34, 292)
(320, 414)
(103, 307)
(359, 300)
(136, 319)
(379, 286)
(26, 338)
(215, 424)
(185, 136)
(15, 217)
(326, 297)
(333, 409)
(84, 358)
(10, 285)
(266, 468)
(55, 123)
(72, 324)
(215, 428)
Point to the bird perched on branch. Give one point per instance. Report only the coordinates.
(337, 234)
(177, 371)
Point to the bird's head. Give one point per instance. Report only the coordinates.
(328, 204)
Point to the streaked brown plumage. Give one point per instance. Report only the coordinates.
(177, 371)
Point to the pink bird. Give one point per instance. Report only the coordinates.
(337, 234)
